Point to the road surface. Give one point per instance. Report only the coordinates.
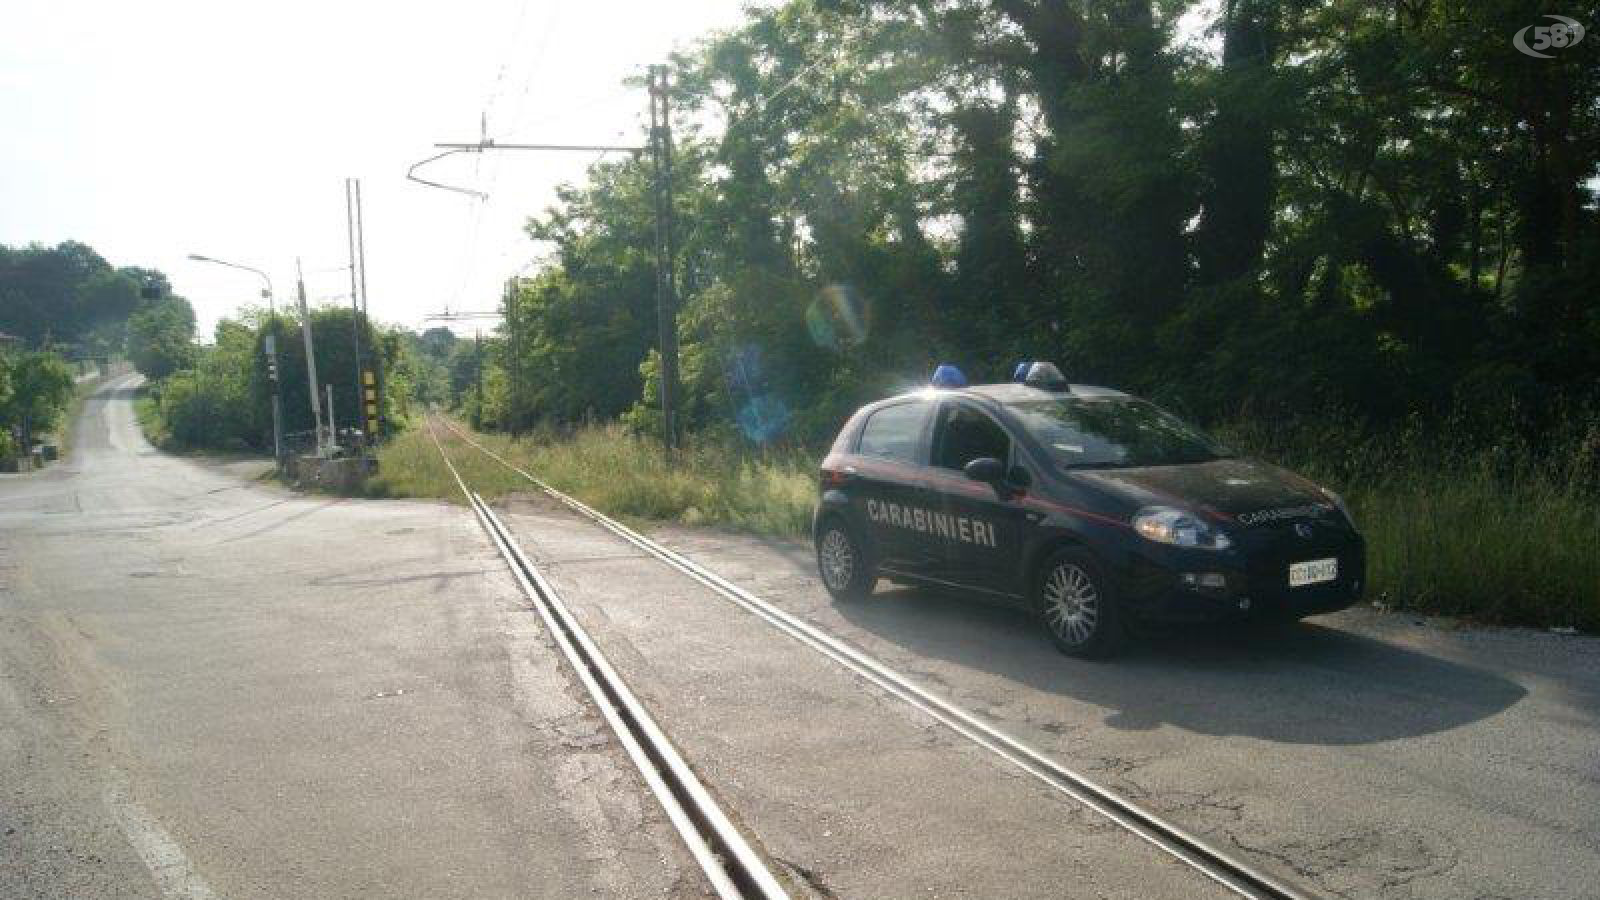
(210, 687)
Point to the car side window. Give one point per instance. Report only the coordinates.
(965, 434)
(893, 432)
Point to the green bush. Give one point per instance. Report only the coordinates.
(36, 388)
(196, 407)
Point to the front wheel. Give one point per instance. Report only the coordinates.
(846, 572)
(1078, 606)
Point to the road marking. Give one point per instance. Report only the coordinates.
(171, 870)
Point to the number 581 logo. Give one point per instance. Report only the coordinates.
(1564, 33)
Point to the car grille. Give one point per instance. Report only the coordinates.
(1270, 550)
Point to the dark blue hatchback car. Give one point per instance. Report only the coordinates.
(1093, 508)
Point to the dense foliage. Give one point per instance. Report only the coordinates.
(66, 303)
(1306, 206)
(69, 295)
(160, 338)
(35, 390)
(222, 396)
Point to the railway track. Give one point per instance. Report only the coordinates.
(735, 870)
(1227, 870)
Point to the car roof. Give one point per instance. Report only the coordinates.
(1013, 393)
(1005, 393)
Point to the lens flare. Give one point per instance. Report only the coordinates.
(763, 419)
(839, 318)
(759, 413)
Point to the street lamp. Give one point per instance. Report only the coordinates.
(266, 293)
(271, 342)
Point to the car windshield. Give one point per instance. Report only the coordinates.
(1113, 432)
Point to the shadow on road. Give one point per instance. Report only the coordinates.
(1309, 684)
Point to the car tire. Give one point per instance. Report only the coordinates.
(842, 563)
(1077, 604)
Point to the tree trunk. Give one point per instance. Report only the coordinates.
(1237, 149)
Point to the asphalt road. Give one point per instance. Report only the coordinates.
(213, 688)
(1362, 754)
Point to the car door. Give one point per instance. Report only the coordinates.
(889, 463)
(981, 529)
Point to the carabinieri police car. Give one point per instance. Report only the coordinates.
(1096, 509)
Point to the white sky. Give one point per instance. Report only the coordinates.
(151, 130)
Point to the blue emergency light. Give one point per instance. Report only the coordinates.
(948, 376)
(1021, 371)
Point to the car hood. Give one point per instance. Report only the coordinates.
(1248, 492)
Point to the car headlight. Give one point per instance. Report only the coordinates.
(1338, 501)
(1169, 525)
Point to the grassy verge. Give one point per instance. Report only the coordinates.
(1457, 523)
(619, 474)
(147, 410)
(1483, 534)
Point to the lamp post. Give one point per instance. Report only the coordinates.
(266, 292)
(271, 348)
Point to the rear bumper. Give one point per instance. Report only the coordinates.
(1256, 586)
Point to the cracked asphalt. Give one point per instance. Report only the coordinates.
(213, 688)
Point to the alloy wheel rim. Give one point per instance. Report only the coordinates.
(838, 560)
(1071, 603)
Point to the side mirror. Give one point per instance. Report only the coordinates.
(988, 470)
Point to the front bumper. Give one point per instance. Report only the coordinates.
(1254, 575)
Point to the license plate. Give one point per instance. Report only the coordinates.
(1315, 571)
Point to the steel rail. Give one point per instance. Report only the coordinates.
(1227, 870)
(735, 870)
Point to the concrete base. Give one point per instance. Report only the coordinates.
(341, 476)
(14, 464)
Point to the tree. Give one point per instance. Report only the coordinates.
(40, 390)
(1379, 208)
(161, 337)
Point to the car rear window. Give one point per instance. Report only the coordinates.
(894, 432)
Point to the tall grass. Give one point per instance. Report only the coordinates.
(1458, 520)
(620, 474)
(1496, 531)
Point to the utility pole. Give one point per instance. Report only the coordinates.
(660, 149)
(514, 360)
(477, 356)
(355, 297)
(369, 379)
(361, 247)
(311, 357)
(666, 294)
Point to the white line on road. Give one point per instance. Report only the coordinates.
(171, 870)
